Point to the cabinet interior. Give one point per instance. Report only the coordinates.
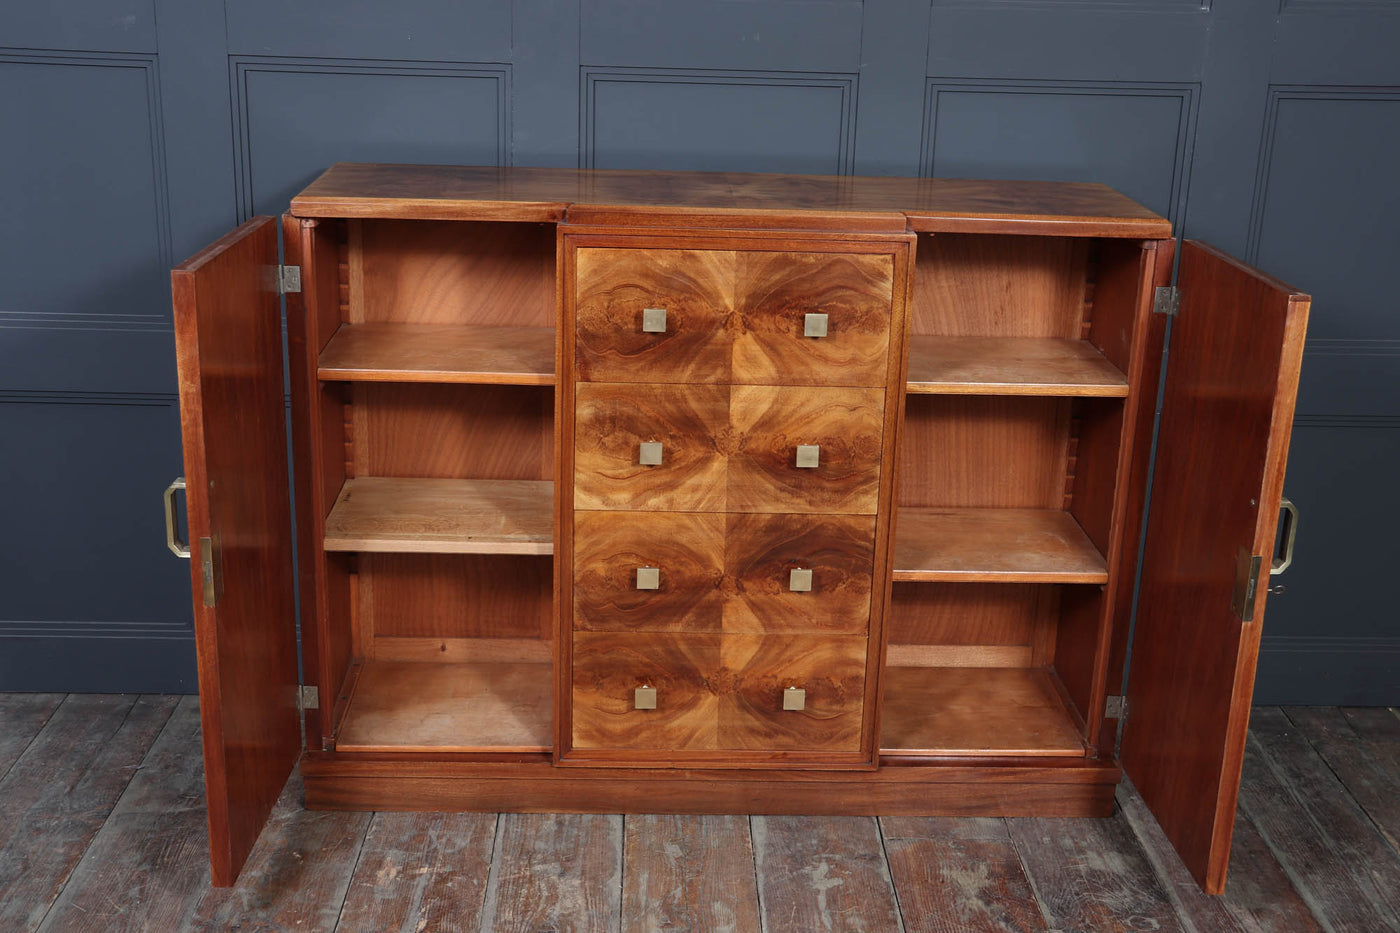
(434, 451)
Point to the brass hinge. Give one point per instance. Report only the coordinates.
(1166, 300)
(308, 697)
(1116, 707)
(282, 279)
(1246, 584)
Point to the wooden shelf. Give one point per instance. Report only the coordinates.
(439, 353)
(994, 546)
(975, 711)
(1011, 366)
(407, 706)
(442, 516)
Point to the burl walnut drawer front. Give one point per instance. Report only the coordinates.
(712, 573)
(753, 317)
(717, 693)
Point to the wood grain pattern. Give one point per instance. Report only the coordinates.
(546, 194)
(442, 516)
(688, 548)
(776, 290)
(405, 706)
(1227, 416)
(768, 424)
(451, 273)
(898, 655)
(456, 650)
(228, 341)
(760, 551)
(975, 711)
(608, 667)
(22, 717)
(821, 873)
(556, 873)
(420, 871)
(453, 431)
(1011, 366)
(983, 452)
(469, 353)
(955, 875)
(994, 545)
(755, 671)
(1259, 893)
(454, 596)
(999, 286)
(952, 614)
(688, 873)
(610, 423)
(696, 289)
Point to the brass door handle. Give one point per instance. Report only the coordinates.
(808, 456)
(653, 320)
(814, 325)
(172, 533)
(644, 697)
(794, 698)
(649, 453)
(648, 578)
(800, 581)
(1290, 535)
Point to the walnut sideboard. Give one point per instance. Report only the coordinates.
(722, 493)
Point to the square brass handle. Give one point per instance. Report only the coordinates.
(794, 698)
(800, 581)
(648, 578)
(649, 453)
(653, 320)
(644, 697)
(808, 456)
(814, 325)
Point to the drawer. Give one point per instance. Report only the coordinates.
(834, 556)
(686, 549)
(611, 422)
(769, 424)
(846, 345)
(692, 289)
(718, 693)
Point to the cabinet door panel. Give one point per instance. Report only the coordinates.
(613, 421)
(228, 343)
(761, 553)
(774, 294)
(685, 548)
(1227, 413)
(770, 423)
(759, 669)
(693, 288)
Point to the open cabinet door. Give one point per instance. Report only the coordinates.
(228, 342)
(1227, 413)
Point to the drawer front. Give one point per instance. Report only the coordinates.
(686, 549)
(718, 693)
(693, 290)
(798, 573)
(772, 427)
(847, 342)
(612, 422)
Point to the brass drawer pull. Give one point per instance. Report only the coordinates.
(649, 453)
(814, 325)
(794, 698)
(800, 581)
(648, 578)
(644, 697)
(808, 456)
(653, 320)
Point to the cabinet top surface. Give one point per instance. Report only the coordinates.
(555, 195)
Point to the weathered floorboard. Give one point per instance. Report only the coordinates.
(149, 864)
(688, 873)
(22, 715)
(555, 872)
(297, 875)
(1362, 747)
(1258, 892)
(421, 871)
(1345, 871)
(56, 796)
(954, 875)
(1090, 874)
(822, 874)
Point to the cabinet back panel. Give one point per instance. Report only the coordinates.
(450, 596)
(984, 452)
(453, 431)
(451, 272)
(966, 614)
(999, 286)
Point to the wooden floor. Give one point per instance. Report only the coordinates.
(102, 828)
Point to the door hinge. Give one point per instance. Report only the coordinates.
(1116, 708)
(1247, 568)
(282, 279)
(1166, 300)
(308, 697)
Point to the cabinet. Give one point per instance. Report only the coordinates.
(682, 492)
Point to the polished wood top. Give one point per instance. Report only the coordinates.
(554, 195)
